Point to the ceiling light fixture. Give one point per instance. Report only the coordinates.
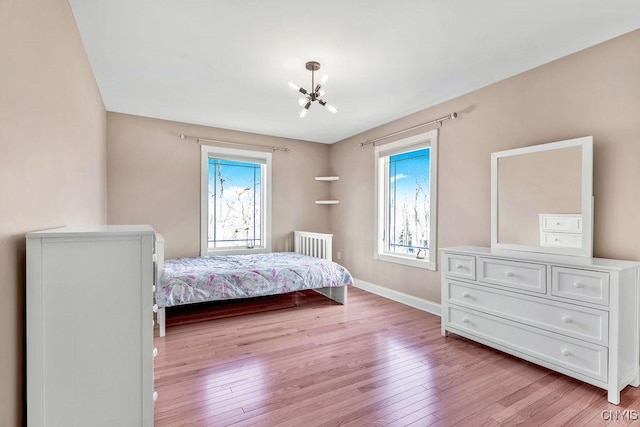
(317, 92)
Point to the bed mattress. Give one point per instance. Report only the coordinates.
(217, 278)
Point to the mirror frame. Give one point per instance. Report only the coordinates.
(586, 202)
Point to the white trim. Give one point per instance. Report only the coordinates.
(407, 260)
(237, 251)
(263, 157)
(204, 205)
(401, 297)
(429, 139)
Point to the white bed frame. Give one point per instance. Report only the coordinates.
(317, 245)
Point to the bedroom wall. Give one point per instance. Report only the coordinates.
(592, 92)
(154, 178)
(53, 161)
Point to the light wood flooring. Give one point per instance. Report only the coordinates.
(303, 360)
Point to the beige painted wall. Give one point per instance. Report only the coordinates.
(154, 178)
(53, 158)
(593, 92)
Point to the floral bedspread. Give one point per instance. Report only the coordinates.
(215, 278)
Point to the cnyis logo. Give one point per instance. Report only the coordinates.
(617, 414)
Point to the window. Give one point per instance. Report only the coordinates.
(235, 201)
(406, 187)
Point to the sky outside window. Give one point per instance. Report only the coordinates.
(234, 203)
(409, 201)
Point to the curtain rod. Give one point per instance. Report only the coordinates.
(432, 122)
(268, 147)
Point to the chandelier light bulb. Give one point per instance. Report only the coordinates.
(316, 92)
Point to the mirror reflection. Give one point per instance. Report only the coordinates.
(535, 189)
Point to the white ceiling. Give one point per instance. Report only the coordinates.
(226, 63)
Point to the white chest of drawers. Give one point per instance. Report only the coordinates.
(578, 316)
(90, 326)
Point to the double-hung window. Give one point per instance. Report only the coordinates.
(235, 201)
(406, 186)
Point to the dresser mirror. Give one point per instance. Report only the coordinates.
(542, 198)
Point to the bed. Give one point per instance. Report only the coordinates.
(218, 278)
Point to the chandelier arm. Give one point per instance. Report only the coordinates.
(312, 79)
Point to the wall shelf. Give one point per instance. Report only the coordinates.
(327, 178)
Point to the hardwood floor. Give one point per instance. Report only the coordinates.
(303, 360)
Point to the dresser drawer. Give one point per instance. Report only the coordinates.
(462, 266)
(583, 358)
(514, 275)
(562, 240)
(567, 224)
(581, 285)
(578, 322)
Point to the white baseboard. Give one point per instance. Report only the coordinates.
(411, 301)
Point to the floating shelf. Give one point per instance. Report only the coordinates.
(328, 201)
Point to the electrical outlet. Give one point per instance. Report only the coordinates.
(339, 255)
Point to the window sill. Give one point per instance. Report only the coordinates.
(237, 251)
(414, 262)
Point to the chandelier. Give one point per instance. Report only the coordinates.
(316, 93)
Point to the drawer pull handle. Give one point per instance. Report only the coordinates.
(510, 274)
(465, 295)
(556, 240)
(155, 352)
(566, 353)
(557, 223)
(153, 288)
(466, 320)
(155, 308)
(459, 266)
(578, 285)
(567, 319)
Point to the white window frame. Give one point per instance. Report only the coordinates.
(429, 139)
(208, 151)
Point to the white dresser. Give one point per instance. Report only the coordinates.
(90, 326)
(575, 315)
